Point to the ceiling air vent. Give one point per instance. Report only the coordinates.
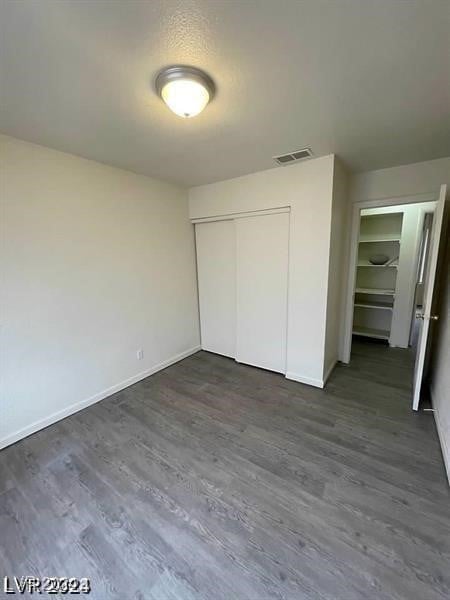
(285, 159)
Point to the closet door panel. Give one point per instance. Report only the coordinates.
(262, 276)
(216, 268)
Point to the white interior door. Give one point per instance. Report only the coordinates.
(262, 256)
(216, 269)
(426, 315)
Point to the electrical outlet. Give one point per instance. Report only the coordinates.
(140, 354)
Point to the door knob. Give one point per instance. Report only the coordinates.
(431, 317)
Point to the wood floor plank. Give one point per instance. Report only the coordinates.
(216, 480)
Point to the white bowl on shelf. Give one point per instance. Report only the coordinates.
(378, 259)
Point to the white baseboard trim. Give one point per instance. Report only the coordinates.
(319, 383)
(445, 447)
(73, 408)
(328, 372)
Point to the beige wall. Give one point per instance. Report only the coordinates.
(416, 178)
(440, 358)
(307, 188)
(338, 267)
(96, 263)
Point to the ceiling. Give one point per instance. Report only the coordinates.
(368, 80)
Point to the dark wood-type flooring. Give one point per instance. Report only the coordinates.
(214, 480)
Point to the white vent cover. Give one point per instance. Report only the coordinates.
(285, 159)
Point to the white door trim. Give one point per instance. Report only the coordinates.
(242, 215)
(353, 255)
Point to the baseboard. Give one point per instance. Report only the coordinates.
(319, 383)
(73, 408)
(328, 372)
(445, 447)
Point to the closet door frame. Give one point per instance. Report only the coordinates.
(242, 215)
(354, 214)
(257, 213)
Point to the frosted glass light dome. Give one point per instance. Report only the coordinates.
(185, 97)
(185, 90)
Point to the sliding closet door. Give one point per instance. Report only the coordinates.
(216, 268)
(262, 274)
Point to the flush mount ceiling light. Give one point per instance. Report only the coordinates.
(185, 90)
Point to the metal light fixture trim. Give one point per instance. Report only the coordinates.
(184, 73)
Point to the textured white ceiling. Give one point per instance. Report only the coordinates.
(368, 80)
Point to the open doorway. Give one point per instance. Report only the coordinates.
(393, 263)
